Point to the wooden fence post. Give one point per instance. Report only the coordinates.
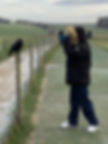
(38, 54)
(31, 54)
(18, 88)
(15, 49)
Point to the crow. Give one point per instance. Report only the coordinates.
(16, 47)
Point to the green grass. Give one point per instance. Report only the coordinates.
(101, 44)
(7, 30)
(54, 107)
(31, 36)
(19, 134)
(100, 37)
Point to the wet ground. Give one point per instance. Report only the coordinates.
(8, 85)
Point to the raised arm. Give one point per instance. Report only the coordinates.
(64, 40)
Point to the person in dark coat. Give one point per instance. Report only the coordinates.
(78, 64)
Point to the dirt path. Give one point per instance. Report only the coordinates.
(8, 89)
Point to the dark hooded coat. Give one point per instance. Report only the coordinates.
(78, 60)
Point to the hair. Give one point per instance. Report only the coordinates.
(81, 34)
(72, 34)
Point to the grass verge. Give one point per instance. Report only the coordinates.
(101, 44)
(19, 134)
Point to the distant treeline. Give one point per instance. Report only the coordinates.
(44, 26)
(3, 20)
(103, 22)
(50, 28)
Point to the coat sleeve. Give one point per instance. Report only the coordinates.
(67, 47)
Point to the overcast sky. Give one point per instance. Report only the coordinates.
(54, 11)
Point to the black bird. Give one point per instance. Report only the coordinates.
(16, 47)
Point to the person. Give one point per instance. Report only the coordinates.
(78, 53)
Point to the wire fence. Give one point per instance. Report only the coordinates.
(16, 76)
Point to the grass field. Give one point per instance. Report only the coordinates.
(10, 32)
(54, 106)
(33, 35)
(100, 37)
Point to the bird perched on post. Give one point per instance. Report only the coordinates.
(16, 47)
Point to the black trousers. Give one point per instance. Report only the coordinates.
(79, 99)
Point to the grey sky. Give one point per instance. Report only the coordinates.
(57, 11)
